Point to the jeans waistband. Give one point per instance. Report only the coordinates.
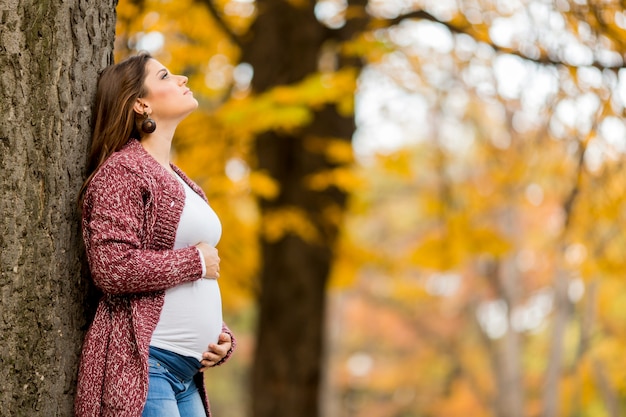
(182, 367)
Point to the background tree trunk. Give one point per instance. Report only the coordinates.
(50, 54)
(284, 47)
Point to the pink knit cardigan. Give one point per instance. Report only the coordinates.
(131, 211)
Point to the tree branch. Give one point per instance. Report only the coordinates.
(220, 22)
(543, 59)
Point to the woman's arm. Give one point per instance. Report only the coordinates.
(114, 223)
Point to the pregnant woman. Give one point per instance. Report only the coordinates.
(150, 239)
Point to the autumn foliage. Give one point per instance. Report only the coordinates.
(480, 266)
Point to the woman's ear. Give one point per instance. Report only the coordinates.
(140, 107)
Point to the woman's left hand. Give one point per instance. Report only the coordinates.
(216, 352)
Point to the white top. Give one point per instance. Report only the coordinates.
(192, 313)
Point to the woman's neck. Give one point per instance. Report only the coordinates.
(159, 146)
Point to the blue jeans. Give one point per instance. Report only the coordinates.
(168, 396)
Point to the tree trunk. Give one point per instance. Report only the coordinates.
(50, 54)
(554, 370)
(284, 48)
(509, 378)
(288, 359)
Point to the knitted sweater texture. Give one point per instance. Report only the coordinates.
(131, 211)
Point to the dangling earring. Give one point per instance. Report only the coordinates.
(148, 125)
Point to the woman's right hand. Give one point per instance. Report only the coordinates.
(211, 260)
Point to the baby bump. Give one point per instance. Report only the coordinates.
(191, 318)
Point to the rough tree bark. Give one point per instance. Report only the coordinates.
(284, 47)
(50, 54)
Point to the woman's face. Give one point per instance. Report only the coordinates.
(168, 97)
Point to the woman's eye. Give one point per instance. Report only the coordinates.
(164, 76)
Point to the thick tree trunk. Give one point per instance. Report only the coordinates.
(288, 360)
(50, 54)
(284, 48)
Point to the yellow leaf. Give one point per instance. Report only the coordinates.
(279, 222)
(263, 185)
(345, 179)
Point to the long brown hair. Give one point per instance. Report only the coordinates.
(114, 119)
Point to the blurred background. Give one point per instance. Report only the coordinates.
(423, 202)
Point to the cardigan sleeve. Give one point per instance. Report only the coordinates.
(115, 228)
